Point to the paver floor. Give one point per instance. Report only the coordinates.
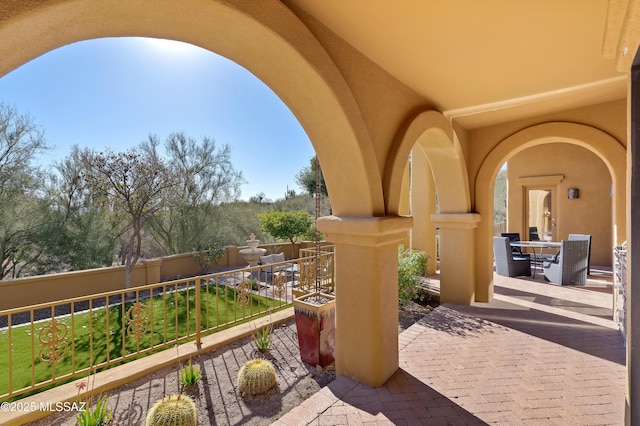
(539, 354)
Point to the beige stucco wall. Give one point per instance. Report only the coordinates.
(48, 288)
(580, 168)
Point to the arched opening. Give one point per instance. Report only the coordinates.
(605, 148)
(433, 133)
(269, 40)
(287, 58)
(543, 200)
(437, 157)
(115, 92)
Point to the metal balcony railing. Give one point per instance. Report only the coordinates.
(620, 288)
(43, 345)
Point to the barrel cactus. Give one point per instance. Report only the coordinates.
(256, 376)
(174, 410)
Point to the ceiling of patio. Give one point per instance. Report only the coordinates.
(484, 62)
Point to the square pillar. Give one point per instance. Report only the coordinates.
(366, 266)
(457, 256)
(423, 205)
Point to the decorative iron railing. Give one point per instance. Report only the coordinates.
(620, 288)
(42, 345)
(308, 252)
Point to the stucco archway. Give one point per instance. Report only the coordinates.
(606, 147)
(265, 37)
(269, 40)
(432, 137)
(432, 132)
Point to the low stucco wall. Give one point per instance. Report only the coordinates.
(47, 288)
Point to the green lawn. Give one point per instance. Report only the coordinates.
(169, 319)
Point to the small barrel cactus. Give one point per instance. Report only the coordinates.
(174, 410)
(256, 376)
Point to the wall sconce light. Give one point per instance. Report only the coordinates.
(573, 193)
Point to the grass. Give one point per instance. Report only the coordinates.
(171, 316)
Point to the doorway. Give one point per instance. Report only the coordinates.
(540, 218)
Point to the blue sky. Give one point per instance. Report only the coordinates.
(114, 92)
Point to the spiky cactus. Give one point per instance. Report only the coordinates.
(256, 376)
(173, 410)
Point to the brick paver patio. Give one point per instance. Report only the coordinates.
(539, 354)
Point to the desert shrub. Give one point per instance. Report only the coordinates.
(262, 338)
(99, 414)
(190, 374)
(412, 265)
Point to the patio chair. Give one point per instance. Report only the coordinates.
(514, 237)
(569, 266)
(533, 233)
(578, 237)
(272, 264)
(507, 264)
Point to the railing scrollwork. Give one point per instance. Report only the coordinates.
(53, 345)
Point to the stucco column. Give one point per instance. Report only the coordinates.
(457, 256)
(404, 209)
(423, 205)
(366, 266)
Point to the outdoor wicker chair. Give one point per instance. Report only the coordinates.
(533, 233)
(507, 264)
(578, 237)
(514, 237)
(569, 266)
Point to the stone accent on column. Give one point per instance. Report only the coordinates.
(457, 256)
(366, 262)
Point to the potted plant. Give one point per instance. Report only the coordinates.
(316, 325)
(316, 312)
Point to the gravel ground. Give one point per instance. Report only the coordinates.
(216, 396)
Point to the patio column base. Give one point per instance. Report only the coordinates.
(366, 266)
(457, 256)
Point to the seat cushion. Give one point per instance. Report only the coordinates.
(265, 260)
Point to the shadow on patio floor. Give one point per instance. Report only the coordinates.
(538, 354)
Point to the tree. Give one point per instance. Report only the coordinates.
(204, 178)
(208, 257)
(23, 226)
(286, 225)
(22, 208)
(136, 186)
(83, 236)
(500, 197)
(259, 198)
(306, 178)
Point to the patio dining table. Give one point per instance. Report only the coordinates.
(533, 245)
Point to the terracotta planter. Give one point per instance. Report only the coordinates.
(316, 326)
